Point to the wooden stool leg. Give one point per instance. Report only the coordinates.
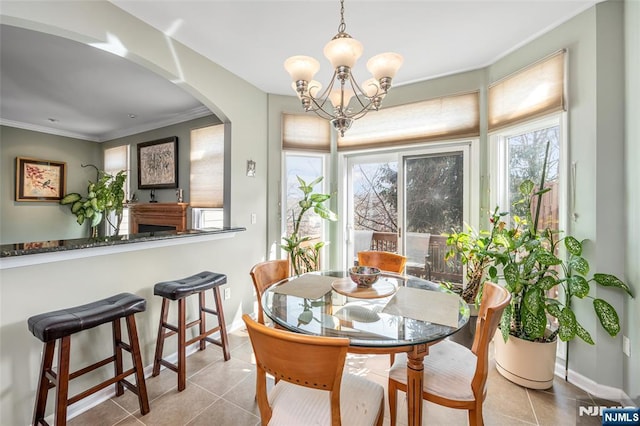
(43, 382)
(62, 387)
(221, 322)
(182, 347)
(117, 354)
(164, 314)
(203, 328)
(143, 398)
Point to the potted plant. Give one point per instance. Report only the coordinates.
(104, 196)
(472, 249)
(304, 252)
(530, 263)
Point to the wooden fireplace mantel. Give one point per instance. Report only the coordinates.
(160, 214)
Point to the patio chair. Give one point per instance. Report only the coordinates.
(383, 260)
(417, 252)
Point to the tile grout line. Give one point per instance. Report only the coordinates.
(533, 410)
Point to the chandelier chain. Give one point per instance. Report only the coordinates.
(342, 27)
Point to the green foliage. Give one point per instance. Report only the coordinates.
(528, 258)
(472, 248)
(104, 196)
(304, 255)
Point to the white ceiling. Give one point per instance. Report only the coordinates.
(91, 92)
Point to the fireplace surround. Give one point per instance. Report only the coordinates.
(157, 216)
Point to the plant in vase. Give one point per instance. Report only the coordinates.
(104, 196)
(472, 248)
(304, 253)
(528, 257)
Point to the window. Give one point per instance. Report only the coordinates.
(308, 167)
(115, 160)
(206, 183)
(520, 153)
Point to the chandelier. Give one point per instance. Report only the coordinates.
(343, 100)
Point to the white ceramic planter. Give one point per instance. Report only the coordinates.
(528, 364)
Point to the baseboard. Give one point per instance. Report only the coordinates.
(109, 392)
(590, 386)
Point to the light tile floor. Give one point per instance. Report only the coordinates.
(222, 393)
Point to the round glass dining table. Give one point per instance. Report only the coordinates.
(400, 313)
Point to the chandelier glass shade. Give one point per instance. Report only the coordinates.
(343, 100)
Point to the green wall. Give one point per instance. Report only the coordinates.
(631, 318)
(39, 221)
(182, 131)
(42, 221)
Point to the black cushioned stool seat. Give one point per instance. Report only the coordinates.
(179, 290)
(58, 326)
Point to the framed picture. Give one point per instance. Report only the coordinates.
(40, 180)
(158, 164)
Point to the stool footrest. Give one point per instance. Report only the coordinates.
(169, 365)
(214, 341)
(100, 386)
(91, 367)
(202, 336)
(210, 311)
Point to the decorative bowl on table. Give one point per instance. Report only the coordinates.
(364, 276)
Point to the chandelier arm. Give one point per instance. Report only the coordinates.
(357, 89)
(303, 68)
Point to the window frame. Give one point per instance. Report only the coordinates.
(497, 161)
(498, 173)
(326, 184)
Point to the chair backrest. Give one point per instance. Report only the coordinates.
(310, 361)
(417, 245)
(495, 299)
(382, 260)
(362, 240)
(266, 273)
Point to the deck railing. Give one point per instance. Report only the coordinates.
(437, 269)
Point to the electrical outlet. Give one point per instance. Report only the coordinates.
(626, 346)
(227, 293)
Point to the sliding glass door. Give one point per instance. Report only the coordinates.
(403, 202)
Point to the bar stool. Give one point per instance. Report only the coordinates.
(55, 326)
(179, 290)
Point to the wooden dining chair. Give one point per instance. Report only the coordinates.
(264, 274)
(455, 376)
(311, 386)
(383, 260)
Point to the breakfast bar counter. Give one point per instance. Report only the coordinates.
(32, 253)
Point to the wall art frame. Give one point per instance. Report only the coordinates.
(158, 164)
(40, 180)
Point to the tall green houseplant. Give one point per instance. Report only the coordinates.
(531, 266)
(304, 254)
(104, 196)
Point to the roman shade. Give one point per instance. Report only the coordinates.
(305, 132)
(206, 181)
(444, 118)
(532, 92)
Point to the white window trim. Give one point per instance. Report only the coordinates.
(326, 185)
(471, 146)
(497, 156)
(497, 162)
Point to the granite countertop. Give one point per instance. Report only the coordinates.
(35, 247)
